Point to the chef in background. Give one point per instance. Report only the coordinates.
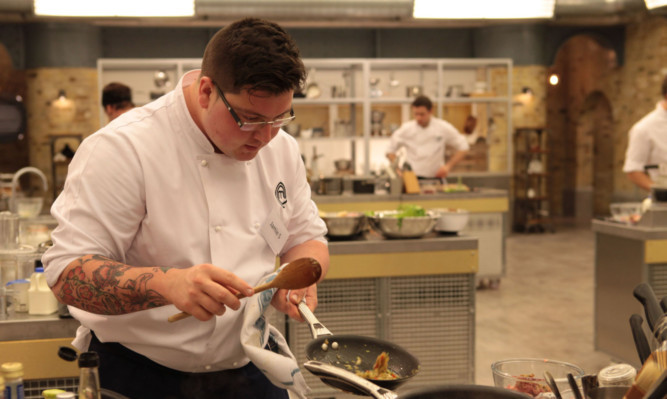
(178, 206)
(116, 100)
(647, 144)
(424, 139)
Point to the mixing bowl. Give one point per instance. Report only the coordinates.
(626, 212)
(343, 224)
(527, 375)
(390, 225)
(451, 220)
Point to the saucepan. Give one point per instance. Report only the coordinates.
(357, 353)
(365, 387)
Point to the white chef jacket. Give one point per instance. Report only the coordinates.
(425, 146)
(148, 189)
(647, 144)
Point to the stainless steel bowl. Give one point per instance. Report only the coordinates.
(389, 225)
(343, 224)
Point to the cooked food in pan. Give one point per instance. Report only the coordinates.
(380, 369)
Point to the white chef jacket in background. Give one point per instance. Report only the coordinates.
(425, 146)
(647, 144)
(152, 192)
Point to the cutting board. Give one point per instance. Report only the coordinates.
(410, 182)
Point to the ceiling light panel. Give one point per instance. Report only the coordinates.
(651, 4)
(115, 8)
(483, 9)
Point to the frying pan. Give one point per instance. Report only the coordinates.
(343, 377)
(356, 352)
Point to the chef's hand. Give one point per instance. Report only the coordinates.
(442, 172)
(287, 301)
(205, 290)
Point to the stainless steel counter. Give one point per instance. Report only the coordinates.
(22, 326)
(629, 231)
(625, 255)
(347, 197)
(488, 222)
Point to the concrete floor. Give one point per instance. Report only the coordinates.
(543, 307)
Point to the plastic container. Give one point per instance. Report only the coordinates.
(617, 375)
(17, 290)
(13, 374)
(41, 300)
(66, 395)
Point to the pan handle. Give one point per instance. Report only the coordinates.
(328, 371)
(317, 329)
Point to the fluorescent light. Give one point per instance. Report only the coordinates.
(483, 9)
(115, 8)
(651, 4)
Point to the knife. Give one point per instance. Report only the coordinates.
(654, 315)
(641, 342)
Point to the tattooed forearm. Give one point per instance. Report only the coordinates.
(103, 286)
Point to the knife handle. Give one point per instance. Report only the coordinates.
(644, 293)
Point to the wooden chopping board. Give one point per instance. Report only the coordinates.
(410, 182)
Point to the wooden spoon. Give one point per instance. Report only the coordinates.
(300, 273)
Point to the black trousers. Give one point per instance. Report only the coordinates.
(137, 377)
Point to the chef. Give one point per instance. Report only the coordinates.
(647, 143)
(116, 99)
(178, 206)
(424, 139)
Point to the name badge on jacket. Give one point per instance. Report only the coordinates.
(274, 231)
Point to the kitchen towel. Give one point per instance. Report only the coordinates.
(280, 368)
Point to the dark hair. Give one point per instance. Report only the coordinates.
(664, 87)
(423, 101)
(117, 95)
(253, 54)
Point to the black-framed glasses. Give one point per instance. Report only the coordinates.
(252, 126)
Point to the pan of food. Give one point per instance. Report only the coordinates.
(381, 362)
(327, 372)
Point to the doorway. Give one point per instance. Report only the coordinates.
(579, 123)
(595, 157)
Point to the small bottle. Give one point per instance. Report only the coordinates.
(13, 374)
(89, 377)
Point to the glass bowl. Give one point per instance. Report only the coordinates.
(527, 375)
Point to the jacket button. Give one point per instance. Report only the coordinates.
(204, 163)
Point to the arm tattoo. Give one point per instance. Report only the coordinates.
(108, 290)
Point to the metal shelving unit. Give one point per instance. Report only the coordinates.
(342, 114)
(532, 211)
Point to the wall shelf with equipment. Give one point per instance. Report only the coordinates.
(532, 212)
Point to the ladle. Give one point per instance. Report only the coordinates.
(300, 273)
